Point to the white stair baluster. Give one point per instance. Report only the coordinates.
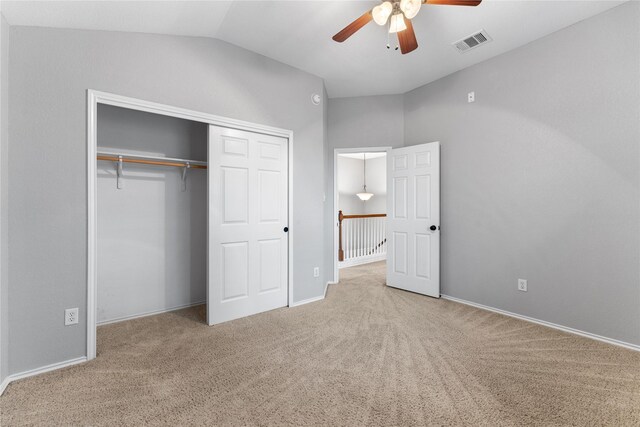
(345, 236)
(366, 236)
(348, 230)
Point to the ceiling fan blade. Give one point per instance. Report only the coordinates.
(350, 29)
(454, 2)
(407, 38)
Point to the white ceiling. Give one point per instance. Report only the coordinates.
(299, 33)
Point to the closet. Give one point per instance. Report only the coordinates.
(151, 213)
(185, 208)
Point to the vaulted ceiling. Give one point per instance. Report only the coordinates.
(299, 33)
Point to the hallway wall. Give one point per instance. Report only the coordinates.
(350, 175)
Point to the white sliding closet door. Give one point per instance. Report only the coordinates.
(413, 219)
(248, 220)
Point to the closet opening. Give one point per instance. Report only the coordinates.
(182, 206)
(151, 211)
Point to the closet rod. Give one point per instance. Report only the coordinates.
(151, 160)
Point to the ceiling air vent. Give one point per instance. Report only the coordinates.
(474, 40)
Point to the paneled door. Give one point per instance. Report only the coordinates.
(248, 224)
(413, 219)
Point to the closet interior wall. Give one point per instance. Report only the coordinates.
(151, 235)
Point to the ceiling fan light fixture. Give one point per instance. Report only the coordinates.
(397, 23)
(410, 8)
(382, 12)
(400, 12)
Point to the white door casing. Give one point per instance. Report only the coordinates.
(413, 219)
(248, 214)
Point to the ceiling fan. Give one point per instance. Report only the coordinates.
(397, 14)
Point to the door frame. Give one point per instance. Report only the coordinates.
(94, 98)
(334, 214)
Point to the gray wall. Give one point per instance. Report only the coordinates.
(4, 198)
(52, 70)
(540, 176)
(367, 121)
(151, 234)
(377, 184)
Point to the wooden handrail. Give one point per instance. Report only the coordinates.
(363, 216)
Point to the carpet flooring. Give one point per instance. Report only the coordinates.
(366, 355)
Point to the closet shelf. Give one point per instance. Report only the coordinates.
(151, 160)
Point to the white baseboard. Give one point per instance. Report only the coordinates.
(4, 384)
(314, 299)
(547, 324)
(149, 313)
(326, 287)
(362, 260)
(41, 370)
(307, 301)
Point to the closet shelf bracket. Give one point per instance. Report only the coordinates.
(184, 175)
(120, 181)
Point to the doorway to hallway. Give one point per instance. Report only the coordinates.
(407, 233)
(362, 208)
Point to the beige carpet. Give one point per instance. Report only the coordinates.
(366, 355)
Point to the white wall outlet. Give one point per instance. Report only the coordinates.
(471, 97)
(316, 272)
(522, 285)
(70, 316)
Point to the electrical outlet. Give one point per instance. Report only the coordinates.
(522, 285)
(316, 272)
(471, 97)
(70, 316)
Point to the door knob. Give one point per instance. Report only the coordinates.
(286, 229)
(433, 228)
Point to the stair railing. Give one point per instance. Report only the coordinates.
(361, 238)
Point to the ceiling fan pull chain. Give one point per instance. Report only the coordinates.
(388, 42)
(388, 35)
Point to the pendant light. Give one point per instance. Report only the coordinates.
(364, 196)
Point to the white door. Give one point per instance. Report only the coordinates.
(413, 219)
(248, 239)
